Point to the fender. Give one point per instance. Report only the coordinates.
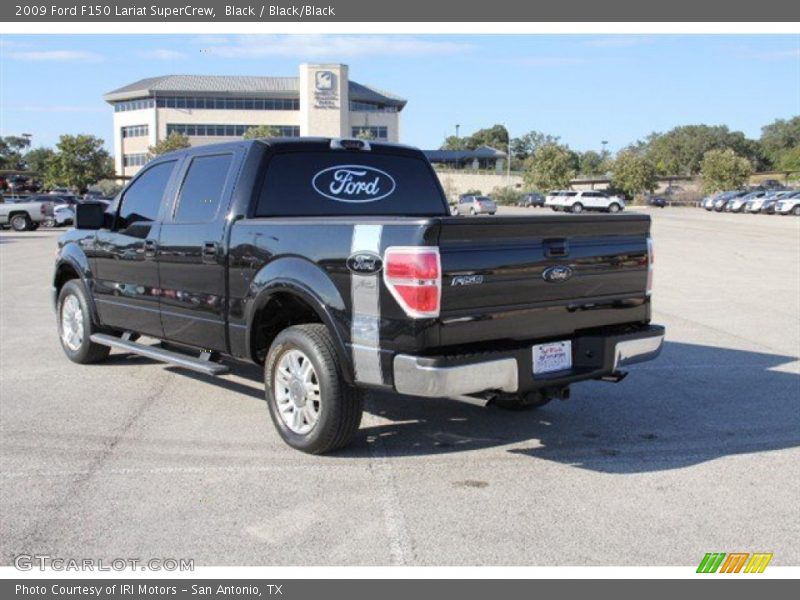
(72, 255)
(310, 283)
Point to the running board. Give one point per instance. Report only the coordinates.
(174, 358)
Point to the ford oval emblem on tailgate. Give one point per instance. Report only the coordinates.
(364, 263)
(557, 273)
(353, 183)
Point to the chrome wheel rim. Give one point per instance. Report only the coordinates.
(297, 393)
(71, 323)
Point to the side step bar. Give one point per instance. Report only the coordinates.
(174, 358)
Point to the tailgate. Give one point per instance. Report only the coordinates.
(535, 274)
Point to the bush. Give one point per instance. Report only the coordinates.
(506, 196)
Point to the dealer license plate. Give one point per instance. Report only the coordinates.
(555, 356)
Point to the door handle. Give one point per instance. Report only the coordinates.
(210, 251)
(150, 248)
(557, 247)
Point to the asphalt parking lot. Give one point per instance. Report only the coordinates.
(696, 452)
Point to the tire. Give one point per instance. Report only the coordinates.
(21, 222)
(576, 208)
(615, 208)
(472, 212)
(77, 346)
(796, 211)
(332, 418)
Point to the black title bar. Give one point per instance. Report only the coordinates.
(443, 11)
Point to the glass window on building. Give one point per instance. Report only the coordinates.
(135, 131)
(371, 132)
(134, 160)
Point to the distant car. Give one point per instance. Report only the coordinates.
(755, 205)
(533, 199)
(722, 200)
(788, 205)
(63, 214)
(475, 205)
(93, 195)
(60, 191)
(771, 184)
(657, 201)
(577, 202)
(738, 203)
(672, 190)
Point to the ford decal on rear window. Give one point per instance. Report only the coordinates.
(353, 183)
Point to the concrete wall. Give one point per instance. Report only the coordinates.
(460, 182)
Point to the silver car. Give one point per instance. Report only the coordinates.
(475, 205)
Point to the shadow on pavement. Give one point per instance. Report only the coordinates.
(693, 404)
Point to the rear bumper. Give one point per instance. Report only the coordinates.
(510, 371)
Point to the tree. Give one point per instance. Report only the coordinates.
(724, 170)
(789, 159)
(261, 131)
(553, 166)
(80, 160)
(680, 151)
(634, 174)
(11, 148)
(454, 143)
(781, 139)
(38, 160)
(527, 144)
(495, 136)
(592, 163)
(174, 141)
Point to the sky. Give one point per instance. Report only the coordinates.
(583, 88)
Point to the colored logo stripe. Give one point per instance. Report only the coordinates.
(713, 562)
(758, 562)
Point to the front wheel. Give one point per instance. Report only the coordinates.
(577, 207)
(614, 208)
(312, 407)
(75, 325)
(796, 211)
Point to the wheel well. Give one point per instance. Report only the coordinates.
(63, 275)
(282, 310)
(11, 215)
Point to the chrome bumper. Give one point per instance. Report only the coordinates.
(427, 377)
(414, 378)
(635, 351)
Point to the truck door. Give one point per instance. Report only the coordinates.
(126, 273)
(192, 256)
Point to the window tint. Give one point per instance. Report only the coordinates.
(142, 199)
(333, 183)
(202, 189)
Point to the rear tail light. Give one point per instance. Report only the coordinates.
(650, 260)
(413, 275)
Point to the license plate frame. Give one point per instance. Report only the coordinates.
(551, 357)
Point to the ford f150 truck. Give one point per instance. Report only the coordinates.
(335, 264)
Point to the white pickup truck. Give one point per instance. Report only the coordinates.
(579, 201)
(26, 214)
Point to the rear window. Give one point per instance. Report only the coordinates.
(349, 183)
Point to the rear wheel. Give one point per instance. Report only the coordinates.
(796, 211)
(75, 325)
(577, 208)
(21, 222)
(312, 407)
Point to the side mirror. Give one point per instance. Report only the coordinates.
(90, 215)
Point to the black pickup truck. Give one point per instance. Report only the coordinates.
(336, 265)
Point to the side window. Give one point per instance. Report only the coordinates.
(202, 188)
(142, 200)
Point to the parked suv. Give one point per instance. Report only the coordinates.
(534, 199)
(475, 205)
(789, 204)
(577, 202)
